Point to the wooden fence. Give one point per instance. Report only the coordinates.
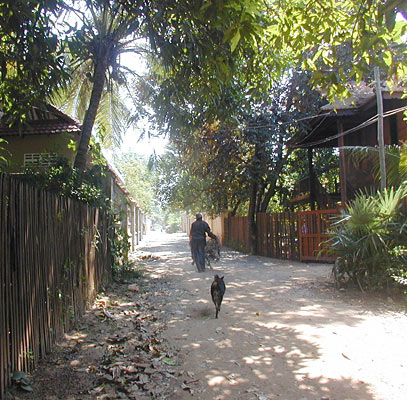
(286, 235)
(237, 233)
(277, 235)
(54, 254)
(313, 232)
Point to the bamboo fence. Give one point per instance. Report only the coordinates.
(54, 255)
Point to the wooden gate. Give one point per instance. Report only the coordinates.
(313, 231)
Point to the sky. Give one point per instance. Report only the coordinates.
(146, 147)
(131, 142)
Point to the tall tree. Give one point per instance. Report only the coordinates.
(187, 36)
(32, 62)
(113, 116)
(106, 31)
(138, 177)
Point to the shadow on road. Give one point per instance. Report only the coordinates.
(281, 333)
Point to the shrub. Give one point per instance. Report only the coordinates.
(370, 240)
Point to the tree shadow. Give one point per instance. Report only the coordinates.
(269, 341)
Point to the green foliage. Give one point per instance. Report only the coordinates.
(32, 62)
(65, 181)
(176, 187)
(86, 187)
(138, 177)
(20, 379)
(3, 155)
(128, 272)
(396, 161)
(370, 239)
(172, 222)
(120, 247)
(314, 32)
(236, 154)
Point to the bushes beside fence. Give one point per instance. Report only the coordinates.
(54, 255)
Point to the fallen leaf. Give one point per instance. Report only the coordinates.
(134, 287)
(107, 377)
(168, 361)
(27, 388)
(98, 389)
(150, 371)
(116, 339)
(142, 378)
(142, 365)
(185, 387)
(108, 314)
(345, 356)
(131, 369)
(116, 372)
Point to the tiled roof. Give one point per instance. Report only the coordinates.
(43, 122)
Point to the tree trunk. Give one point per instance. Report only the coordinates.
(89, 120)
(267, 197)
(234, 210)
(252, 219)
(273, 183)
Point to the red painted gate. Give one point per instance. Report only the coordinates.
(313, 231)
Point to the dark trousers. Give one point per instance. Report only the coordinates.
(198, 253)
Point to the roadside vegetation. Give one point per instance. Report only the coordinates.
(371, 235)
(229, 83)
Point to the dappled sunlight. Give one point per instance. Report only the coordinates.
(276, 335)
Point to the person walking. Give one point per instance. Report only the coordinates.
(197, 239)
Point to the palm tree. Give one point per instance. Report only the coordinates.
(113, 115)
(107, 31)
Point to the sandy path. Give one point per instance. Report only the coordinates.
(283, 331)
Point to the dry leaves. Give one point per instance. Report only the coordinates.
(137, 362)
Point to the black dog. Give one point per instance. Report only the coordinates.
(218, 289)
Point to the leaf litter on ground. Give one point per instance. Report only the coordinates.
(131, 360)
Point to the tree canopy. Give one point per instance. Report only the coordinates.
(197, 49)
(32, 62)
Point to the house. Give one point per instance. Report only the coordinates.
(47, 134)
(353, 122)
(50, 134)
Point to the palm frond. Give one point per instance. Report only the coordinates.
(389, 200)
(361, 212)
(112, 118)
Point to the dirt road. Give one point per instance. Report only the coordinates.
(283, 333)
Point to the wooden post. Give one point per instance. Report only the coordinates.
(342, 164)
(311, 179)
(380, 136)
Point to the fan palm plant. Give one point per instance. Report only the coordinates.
(367, 236)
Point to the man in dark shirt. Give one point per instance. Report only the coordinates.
(197, 238)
